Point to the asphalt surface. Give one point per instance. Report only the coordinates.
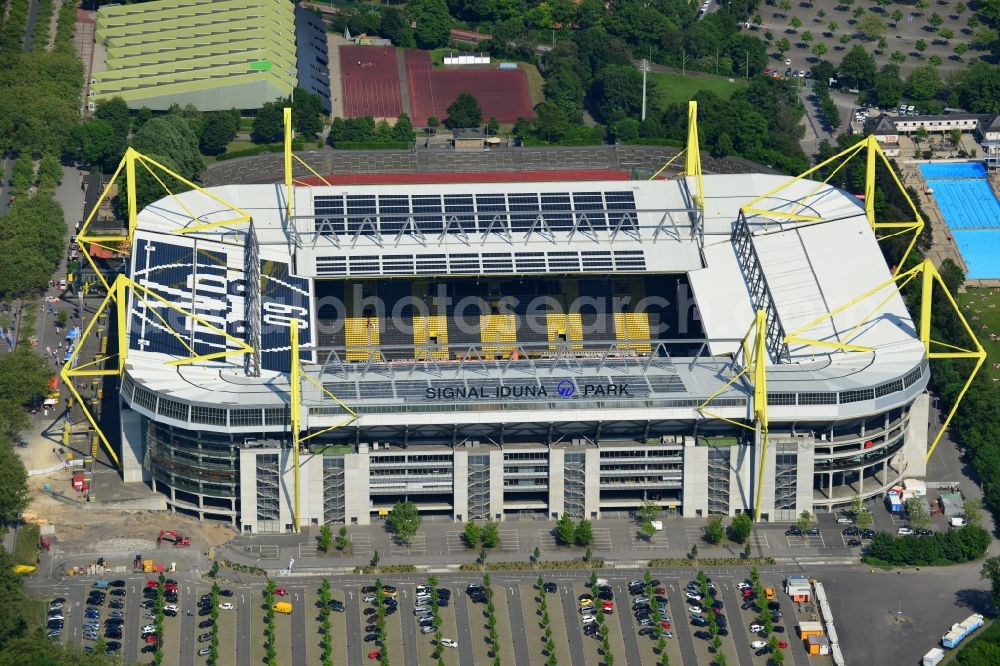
(243, 626)
(298, 622)
(575, 635)
(463, 626)
(516, 612)
(682, 627)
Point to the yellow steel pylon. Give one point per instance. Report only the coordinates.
(118, 294)
(789, 210)
(295, 399)
(692, 156)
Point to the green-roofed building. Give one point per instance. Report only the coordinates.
(214, 54)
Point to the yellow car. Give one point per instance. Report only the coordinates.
(586, 603)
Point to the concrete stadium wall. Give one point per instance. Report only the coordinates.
(268, 168)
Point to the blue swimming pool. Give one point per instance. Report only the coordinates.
(972, 212)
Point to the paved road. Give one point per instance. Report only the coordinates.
(243, 626)
(629, 635)
(355, 646)
(189, 624)
(682, 626)
(734, 615)
(299, 638)
(464, 638)
(516, 612)
(574, 635)
(409, 631)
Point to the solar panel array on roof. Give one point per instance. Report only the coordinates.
(517, 212)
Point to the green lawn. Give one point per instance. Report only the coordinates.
(673, 88)
(26, 548)
(981, 307)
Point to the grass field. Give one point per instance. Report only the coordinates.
(981, 308)
(26, 547)
(673, 88)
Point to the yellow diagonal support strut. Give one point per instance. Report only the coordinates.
(692, 155)
(755, 369)
(296, 400)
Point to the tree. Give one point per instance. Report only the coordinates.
(857, 69)
(804, 521)
(218, 128)
(22, 175)
(171, 136)
(648, 511)
(845, 39)
(991, 572)
(783, 45)
(887, 92)
(935, 20)
(898, 57)
(946, 34)
(404, 520)
(714, 530)
(784, 6)
(795, 23)
(616, 93)
(32, 242)
(740, 527)
(268, 124)
(807, 37)
(493, 126)
(960, 49)
(550, 121)
(49, 172)
(819, 50)
(897, 16)
(934, 60)
(647, 530)
(325, 538)
(94, 143)
(396, 27)
(917, 514)
(308, 113)
(972, 509)
(115, 112)
(833, 26)
(13, 490)
(491, 534)
(920, 45)
(342, 538)
(921, 5)
(858, 12)
(923, 83)
(584, 533)
(872, 27)
(471, 534)
(433, 22)
(720, 659)
(464, 112)
(565, 530)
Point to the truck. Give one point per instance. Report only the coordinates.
(960, 631)
(174, 537)
(933, 658)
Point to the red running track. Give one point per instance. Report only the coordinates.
(501, 93)
(437, 177)
(370, 81)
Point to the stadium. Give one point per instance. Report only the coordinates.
(298, 355)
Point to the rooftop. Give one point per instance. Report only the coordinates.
(216, 55)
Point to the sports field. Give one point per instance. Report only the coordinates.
(500, 93)
(679, 88)
(370, 79)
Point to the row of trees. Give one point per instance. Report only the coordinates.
(365, 131)
(602, 627)
(545, 622)
(569, 533)
(438, 653)
(657, 617)
(271, 651)
(326, 627)
(380, 630)
(951, 547)
(488, 535)
(491, 620)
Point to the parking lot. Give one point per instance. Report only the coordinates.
(521, 621)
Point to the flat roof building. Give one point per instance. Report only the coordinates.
(216, 55)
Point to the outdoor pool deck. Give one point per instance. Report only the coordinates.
(971, 210)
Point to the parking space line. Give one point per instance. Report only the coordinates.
(509, 542)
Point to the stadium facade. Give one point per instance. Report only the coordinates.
(516, 350)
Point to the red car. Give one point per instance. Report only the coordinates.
(281, 592)
(783, 644)
(660, 590)
(171, 587)
(374, 654)
(151, 639)
(747, 594)
(664, 624)
(152, 583)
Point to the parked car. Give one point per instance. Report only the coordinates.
(905, 531)
(793, 531)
